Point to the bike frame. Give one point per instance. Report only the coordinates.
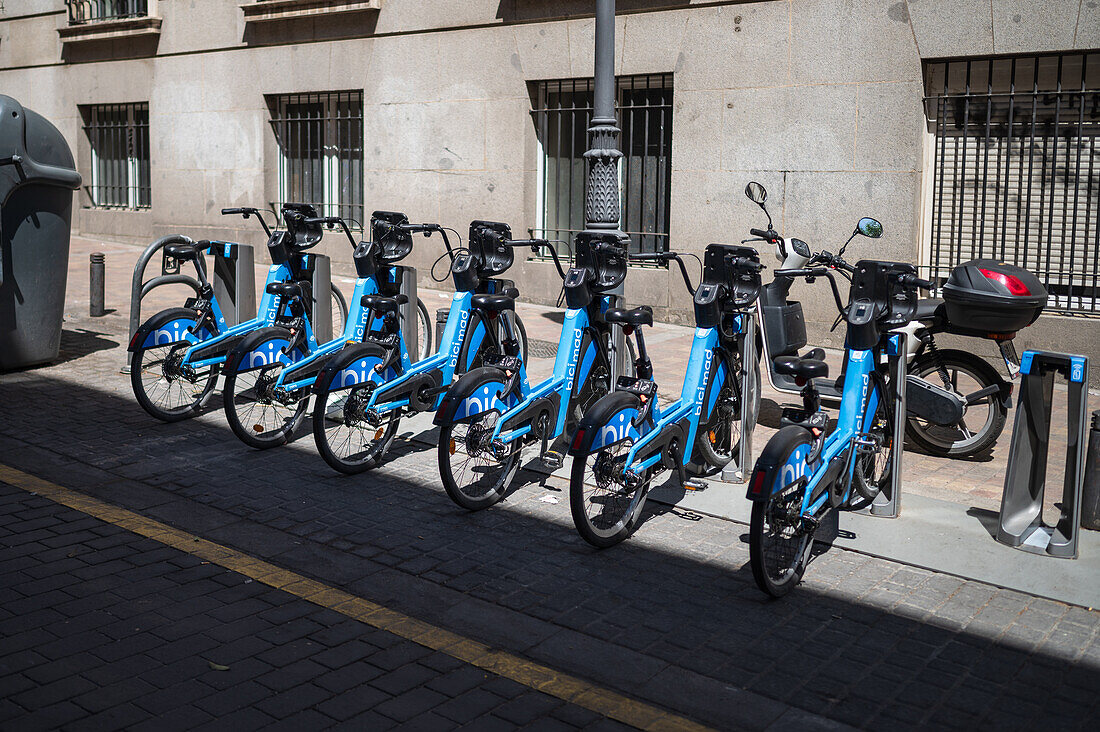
(860, 398)
(704, 347)
(445, 360)
(569, 369)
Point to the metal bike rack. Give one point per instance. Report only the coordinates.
(233, 281)
(739, 473)
(1020, 522)
(411, 334)
(888, 502)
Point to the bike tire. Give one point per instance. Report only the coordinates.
(873, 471)
(778, 565)
(708, 435)
(424, 330)
(351, 450)
(497, 475)
(937, 440)
(245, 391)
(147, 368)
(339, 312)
(618, 510)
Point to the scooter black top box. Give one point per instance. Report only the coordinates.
(993, 297)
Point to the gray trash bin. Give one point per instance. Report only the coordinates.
(37, 180)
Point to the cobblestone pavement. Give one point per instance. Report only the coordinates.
(671, 617)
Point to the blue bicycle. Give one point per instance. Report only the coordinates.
(491, 413)
(270, 374)
(363, 391)
(804, 472)
(626, 438)
(177, 354)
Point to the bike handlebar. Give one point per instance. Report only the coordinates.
(666, 257)
(246, 212)
(768, 235)
(745, 263)
(914, 281)
(331, 221)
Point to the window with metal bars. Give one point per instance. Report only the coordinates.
(320, 138)
(563, 113)
(88, 11)
(118, 135)
(1016, 175)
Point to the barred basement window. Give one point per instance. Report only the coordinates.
(320, 138)
(1016, 174)
(563, 112)
(119, 139)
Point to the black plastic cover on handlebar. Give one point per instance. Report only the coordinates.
(767, 235)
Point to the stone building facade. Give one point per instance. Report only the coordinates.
(832, 104)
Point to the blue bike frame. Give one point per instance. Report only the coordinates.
(571, 368)
(860, 398)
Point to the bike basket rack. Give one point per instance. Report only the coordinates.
(1020, 523)
(739, 469)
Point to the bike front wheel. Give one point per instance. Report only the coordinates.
(474, 473)
(779, 540)
(605, 506)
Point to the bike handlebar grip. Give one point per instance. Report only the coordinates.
(746, 263)
(228, 211)
(914, 281)
(653, 256)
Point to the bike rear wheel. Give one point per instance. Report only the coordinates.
(474, 476)
(605, 508)
(160, 386)
(984, 420)
(874, 462)
(779, 541)
(254, 413)
(347, 440)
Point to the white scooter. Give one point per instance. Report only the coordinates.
(956, 402)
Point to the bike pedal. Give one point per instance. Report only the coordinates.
(694, 484)
(552, 460)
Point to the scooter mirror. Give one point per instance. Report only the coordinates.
(756, 193)
(869, 227)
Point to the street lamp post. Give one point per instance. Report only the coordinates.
(601, 198)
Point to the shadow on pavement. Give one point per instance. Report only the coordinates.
(671, 616)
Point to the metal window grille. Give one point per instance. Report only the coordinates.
(320, 138)
(563, 113)
(119, 138)
(1016, 175)
(89, 11)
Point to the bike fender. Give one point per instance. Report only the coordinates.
(781, 462)
(170, 326)
(353, 365)
(263, 347)
(474, 393)
(608, 421)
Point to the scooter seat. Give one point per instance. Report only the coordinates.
(182, 252)
(286, 290)
(495, 303)
(817, 354)
(382, 304)
(802, 368)
(641, 315)
(929, 308)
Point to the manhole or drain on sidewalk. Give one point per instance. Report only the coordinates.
(541, 349)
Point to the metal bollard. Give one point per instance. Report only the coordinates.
(1090, 488)
(97, 271)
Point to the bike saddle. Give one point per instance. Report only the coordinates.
(287, 290)
(383, 304)
(929, 308)
(641, 315)
(184, 252)
(803, 368)
(496, 303)
(817, 354)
